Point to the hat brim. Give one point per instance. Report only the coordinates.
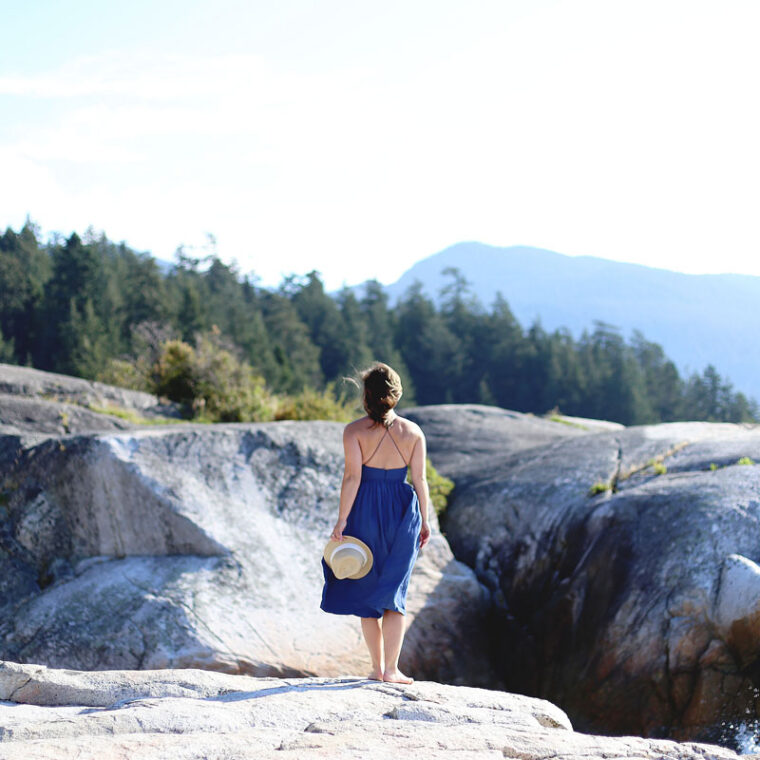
(332, 544)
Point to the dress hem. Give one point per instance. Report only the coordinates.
(377, 615)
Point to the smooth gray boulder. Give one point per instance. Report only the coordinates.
(200, 546)
(37, 418)
(623, 567)
(464, 439)
(37, 384)
(196, 715)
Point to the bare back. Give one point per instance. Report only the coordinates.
(386, 448)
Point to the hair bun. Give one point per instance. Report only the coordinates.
(382, 391)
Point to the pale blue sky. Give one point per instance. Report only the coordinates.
(357, 137)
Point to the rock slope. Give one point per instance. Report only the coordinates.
(200, 546)
(464, 439)
(196, 715)
(626, 569)
(25, 382)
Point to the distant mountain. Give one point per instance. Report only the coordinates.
(698, 319)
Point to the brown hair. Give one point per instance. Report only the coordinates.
(382, 391)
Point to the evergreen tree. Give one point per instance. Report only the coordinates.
(95, 308)
(616, 385)
(464, 318)
(356, 331)
(382, 324)
(664, 387)
(296, 357)
(7, 354)
(83, 342)
(78, 279)
(24, 269)
(252, 335)
(430, 351)
(503, 349)
(322, 316)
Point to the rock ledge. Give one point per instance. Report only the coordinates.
(48, 714)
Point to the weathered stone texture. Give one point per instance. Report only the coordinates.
(197, 715)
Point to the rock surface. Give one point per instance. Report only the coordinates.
(36, 418)
(463, 439)
(200, 546)
(35, 384)
(624, 568)
(193, 715)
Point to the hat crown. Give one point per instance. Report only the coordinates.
(346, 566)
(348, 559)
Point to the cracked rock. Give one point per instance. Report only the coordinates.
(613, 604)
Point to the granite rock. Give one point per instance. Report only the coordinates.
(200, 546)
(623, 567)
(197, 715)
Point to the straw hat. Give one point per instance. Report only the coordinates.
(350, 558)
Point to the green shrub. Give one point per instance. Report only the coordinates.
(176, 376)
(746, 460)
(209, 381)
(439, 486)
(124, 374)
(227, 389)
(313, 405)
(713, 466)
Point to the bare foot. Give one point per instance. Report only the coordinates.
(396, 676)
(375, 675)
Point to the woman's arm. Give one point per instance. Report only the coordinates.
(352, 475)
(419, 481)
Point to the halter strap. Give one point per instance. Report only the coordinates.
(380, 442)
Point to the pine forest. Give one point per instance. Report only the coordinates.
(225, 349)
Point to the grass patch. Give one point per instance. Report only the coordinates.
(562, 421)
(657, 466)
(599, 487)
(742, 461)
(129, 415)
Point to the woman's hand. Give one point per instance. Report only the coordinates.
(424, 534)
(337, 533)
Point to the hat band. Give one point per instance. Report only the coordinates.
(348, 545)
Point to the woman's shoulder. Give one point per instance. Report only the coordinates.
(407, 427)
(352, 428)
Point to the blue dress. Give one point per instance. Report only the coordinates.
(386, 516)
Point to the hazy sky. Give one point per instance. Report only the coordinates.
(356, 138)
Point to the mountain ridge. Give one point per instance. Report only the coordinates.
(698, 319)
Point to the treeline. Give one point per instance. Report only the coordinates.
(96, 309)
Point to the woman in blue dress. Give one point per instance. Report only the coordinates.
(381, 509)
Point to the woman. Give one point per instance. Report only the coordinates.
(378, 507)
